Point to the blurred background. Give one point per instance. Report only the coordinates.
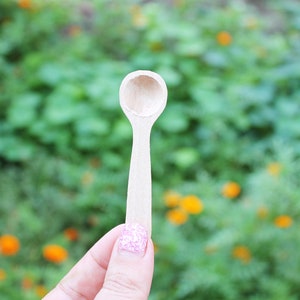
(225, 152)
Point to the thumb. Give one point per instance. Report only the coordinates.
(130, 270)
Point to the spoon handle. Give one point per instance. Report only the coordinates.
(139, 194)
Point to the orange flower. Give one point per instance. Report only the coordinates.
(177, 216)
(9, 245)
(231, 189)
(27, 283)
(171, 198)
(191, 204)
(262, 212)
(26, 4)
(283, 221)
(40, 290)
(55, 253)
(71, 234)
(224, 38)
(242, 253)
(274, 168)
(2, 275)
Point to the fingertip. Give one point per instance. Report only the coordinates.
(130, 270)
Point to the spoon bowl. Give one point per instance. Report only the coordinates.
(143, 94)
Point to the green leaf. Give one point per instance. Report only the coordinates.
(51, 74)
(23, 111)
(186, 157)
(92, 126)
(60, 109)
(173, 120)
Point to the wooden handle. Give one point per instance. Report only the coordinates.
(139, 194)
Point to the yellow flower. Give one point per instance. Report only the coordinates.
(25, 4)
(55, 253)
(138, 18)
(224, 38)
(262, 212)
(2, 275)
(283, 221)
(242, 253)
(177, 216)
(231, 189)
(9, 245)
(40, 290)
(274, 168)
(191, 204)
(172, 198)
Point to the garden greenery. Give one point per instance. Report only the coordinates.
(225, 153)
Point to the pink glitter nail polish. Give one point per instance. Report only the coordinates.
(133, 239)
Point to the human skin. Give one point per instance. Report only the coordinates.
(118, 267)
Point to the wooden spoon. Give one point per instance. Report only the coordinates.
(143, 97)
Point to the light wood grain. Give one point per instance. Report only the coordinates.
(143, 97)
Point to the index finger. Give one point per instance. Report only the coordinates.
(86, 278)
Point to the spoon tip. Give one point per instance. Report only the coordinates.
(143, 93)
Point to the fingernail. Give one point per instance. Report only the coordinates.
(133, 239)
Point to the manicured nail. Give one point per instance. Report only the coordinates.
(133, 239)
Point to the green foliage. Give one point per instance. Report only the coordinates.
(65, 143)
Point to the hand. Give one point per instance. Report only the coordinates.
(118, 267)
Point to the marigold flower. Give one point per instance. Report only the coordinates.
(55, 253)
(224, 38)
(138, 18)
(27, 283)
(262, 212)
(283, 221)
(2, 274)
(177, 216)
(71, 234)
(26, 4)
(155, 248)
(40, 290)
(172, 198)
(9, 245)
(191, 204)
(231, 189)
(274, 168)
(242, 253)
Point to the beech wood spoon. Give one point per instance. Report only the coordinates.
(143, 97)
